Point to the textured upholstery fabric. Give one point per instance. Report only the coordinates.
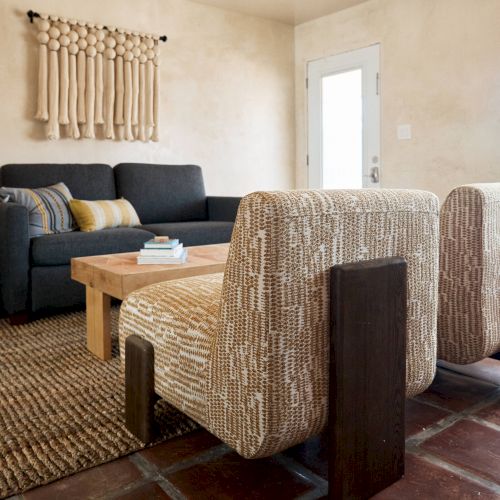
(52, 286)
(180, 319)
(223, 207)
(103, 214)
(48, 208)
(267, 372)
(14, 256)
(195, 232)
(58, 249)
(85, 181)
(469, 285)
(163, 193)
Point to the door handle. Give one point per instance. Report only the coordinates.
(375, 175)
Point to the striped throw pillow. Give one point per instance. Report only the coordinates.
(48, 208)
(95, 215)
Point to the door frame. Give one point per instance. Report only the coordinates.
(368, 60)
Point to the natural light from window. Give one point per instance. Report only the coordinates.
(343, 130)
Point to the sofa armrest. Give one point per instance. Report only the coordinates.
(223, 208)
(14, 257)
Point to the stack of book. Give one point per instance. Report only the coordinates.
(162, 250)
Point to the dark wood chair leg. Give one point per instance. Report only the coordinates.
(140, 394)
(367, 377)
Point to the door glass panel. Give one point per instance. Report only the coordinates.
(342, 125)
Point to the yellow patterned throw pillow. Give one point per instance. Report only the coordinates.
(95, 215)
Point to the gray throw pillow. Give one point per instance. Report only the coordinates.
(48, 208)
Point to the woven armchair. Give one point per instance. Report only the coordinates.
(469, 282)
(246, 354)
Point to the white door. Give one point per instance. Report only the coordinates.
(344, 120)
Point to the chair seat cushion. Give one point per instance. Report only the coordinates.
(58, 249)
(180, 319)
(194, 233)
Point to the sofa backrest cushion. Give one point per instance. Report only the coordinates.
(268, 381)
(163, 193)
(469, 281)
(85, 181)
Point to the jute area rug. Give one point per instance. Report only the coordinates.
(61, 409)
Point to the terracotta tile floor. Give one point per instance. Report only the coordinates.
(453, 451)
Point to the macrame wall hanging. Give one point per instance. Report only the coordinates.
(95, 80)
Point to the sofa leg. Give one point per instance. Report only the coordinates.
(19, 318)
(140, 395)
(367, 377)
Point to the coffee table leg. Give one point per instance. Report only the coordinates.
(98, 323)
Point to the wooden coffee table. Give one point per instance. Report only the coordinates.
(117, 275)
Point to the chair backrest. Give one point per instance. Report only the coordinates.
(469, 282)
(85, 181)
(163, 193)
(268, 383)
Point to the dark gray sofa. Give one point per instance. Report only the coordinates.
(169, 199)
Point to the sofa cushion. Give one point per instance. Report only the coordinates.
(162, 193)
(195, 232)
(58, 249)
(88, 182)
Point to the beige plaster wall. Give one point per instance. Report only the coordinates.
(440, 72)
(227, 99)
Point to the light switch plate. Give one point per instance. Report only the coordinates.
(404, 132)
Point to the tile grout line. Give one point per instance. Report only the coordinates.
(454, 417)
(302, 472)
(491, 398)
(436, 428)
(145, 466)
(145, 479)
(413, 443)
(152, 472)
(170, 489)
(458, 471)
(124, 489)
(482, 421)
(433, 404)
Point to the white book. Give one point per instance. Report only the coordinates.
(162, 252)
(163, 260)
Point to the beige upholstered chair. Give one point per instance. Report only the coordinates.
(245, 354)
(469, 283)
